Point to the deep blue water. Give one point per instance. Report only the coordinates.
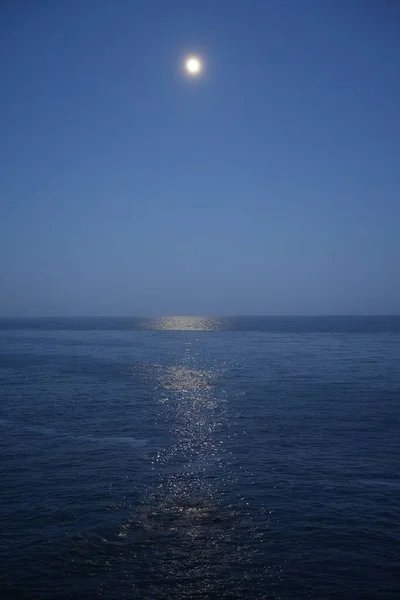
(200, 458)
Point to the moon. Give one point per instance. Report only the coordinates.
(193, 66)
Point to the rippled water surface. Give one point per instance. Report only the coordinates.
(200, 458)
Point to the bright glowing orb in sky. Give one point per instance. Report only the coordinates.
(193, 66)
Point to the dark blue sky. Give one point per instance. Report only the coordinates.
(271, 185)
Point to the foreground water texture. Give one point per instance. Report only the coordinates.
(200, 458)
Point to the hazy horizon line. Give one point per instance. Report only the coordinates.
(207, 316)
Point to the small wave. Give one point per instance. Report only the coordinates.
(111, 439)
(50, 432)
(32, 428)
(382, 482)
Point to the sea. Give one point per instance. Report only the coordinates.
(208, 458)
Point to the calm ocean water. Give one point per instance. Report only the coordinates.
(200, 458)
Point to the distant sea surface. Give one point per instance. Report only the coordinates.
(189, 458)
